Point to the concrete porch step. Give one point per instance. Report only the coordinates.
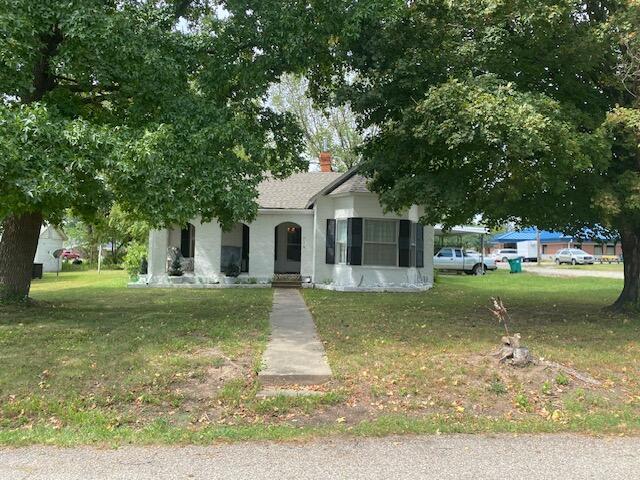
(286, 280)
(286, 284)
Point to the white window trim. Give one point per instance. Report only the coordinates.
(345, 243)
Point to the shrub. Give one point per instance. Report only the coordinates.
(133, 260)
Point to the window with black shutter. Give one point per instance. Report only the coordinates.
(404, 244)
(330, 247)
(354, 241)
(419, 245)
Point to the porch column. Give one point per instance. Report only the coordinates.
(207, 252)
(158, 244)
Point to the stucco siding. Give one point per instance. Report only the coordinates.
(262, 243)
(209, 239)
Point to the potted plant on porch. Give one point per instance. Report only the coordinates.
(231, 272)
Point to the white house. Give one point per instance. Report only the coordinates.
(51, 239)
(324, 229)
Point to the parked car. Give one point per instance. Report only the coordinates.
(573, 256)
(457, 259)
(505, 254)
(69, 255)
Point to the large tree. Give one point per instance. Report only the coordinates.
(158, 105)
(520, 111)
(333, 128)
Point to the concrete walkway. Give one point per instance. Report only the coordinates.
(294, 354)
(543, 457)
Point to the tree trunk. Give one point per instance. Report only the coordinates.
(629, 299)
(17, 250)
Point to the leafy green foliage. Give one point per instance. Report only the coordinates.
(520, 111)
(136, 254)
(155, 105)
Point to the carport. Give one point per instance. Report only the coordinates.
(471, 236)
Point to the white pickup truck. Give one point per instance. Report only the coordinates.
(457, 259)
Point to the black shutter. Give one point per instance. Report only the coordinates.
(354, 241)
(245, 248)
(419, 245)
(185, 242)
(404, 244)
(330, 249)
(275, 244)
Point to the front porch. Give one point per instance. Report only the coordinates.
(244, 255)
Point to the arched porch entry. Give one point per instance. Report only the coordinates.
(235, 248)
(287, 248)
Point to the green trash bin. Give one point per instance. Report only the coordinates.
(516, 265)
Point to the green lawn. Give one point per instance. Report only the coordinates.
(607, 267)
(94, 362)
(429, 354)
(92, 356)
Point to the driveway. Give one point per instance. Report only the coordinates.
(572, 272)
(426, 457)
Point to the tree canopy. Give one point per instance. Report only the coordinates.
(155, 105)
(516, 110)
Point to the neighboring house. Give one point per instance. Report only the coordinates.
(51, 239)
(323, 228)
(552, 242)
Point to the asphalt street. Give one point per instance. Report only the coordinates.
(429, 457)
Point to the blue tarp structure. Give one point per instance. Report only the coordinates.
(527, 234)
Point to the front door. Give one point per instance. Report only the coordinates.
(288, 248)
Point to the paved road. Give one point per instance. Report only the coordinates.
(432, 457)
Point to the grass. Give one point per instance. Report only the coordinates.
(91, 354)
(429, 354)
(94, 362)
(605, 267)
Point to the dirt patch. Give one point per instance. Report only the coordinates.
(205, 386)
(487, 388)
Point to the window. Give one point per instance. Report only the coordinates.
(341, 241)
(380, 242)
(458, 253)
(597, 249)
(445, 253)
(611, 249)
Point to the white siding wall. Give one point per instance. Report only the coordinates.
(366, 205)
(262, 242)
(158, 244)
(206, 262)
(46, 246)
(209, 238)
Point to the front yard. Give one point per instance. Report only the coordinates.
(93, 362)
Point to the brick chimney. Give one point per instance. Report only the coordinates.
(325, 162)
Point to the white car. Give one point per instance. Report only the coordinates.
(573, 256)
(505, 254)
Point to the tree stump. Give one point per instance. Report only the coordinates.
(513, 353)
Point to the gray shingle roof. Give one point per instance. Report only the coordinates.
(356, 184)
(294, 191)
